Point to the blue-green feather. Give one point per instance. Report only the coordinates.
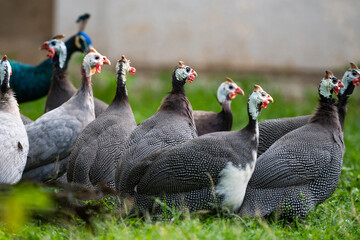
(33, 82)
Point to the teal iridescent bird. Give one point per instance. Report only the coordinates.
(33, 82)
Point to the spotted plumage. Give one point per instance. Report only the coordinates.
(302, 168)
(171, 125)
(200, 173)
(52, 136)
(14, 144)
(92, 161)
(273, 129)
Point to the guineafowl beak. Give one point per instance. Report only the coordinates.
(237, 91)
(106, 60)
(51, 51)
(267, 101)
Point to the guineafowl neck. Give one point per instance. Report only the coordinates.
(252, 125)
(8, 102)
(85, 83)
(177, 86)
(326, 113)
(4, 86)
(341, 106)
(120, 95)
(177, 103)
(121, 92)
(226, 114)
(58, 76)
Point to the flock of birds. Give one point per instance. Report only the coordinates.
(188, 159)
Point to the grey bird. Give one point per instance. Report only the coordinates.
(208, 122)
(14, 144)
(273, 129)
(301, 169)
(61, 89)
(92, 161)
(172, 124)
(52, 136)
(203, 172)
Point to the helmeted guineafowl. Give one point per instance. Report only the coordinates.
(92, 161)
(208, 122)
(14, 144)
(172, 124)
(273, 129)
(52, 136)
(302, 168)
(61, 89)
(197, 175)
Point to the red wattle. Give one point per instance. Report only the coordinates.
(356, 81)
(98, 67)
(51, 52)
(264, 104)
(191, 78)
(336, 90)
(132, 71)
(233, 95)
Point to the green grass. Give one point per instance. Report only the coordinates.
(337, 218)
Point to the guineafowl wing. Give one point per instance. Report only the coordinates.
(193, 165)
(51, 137)
(160, 131)
(273, 129)
(295, 159)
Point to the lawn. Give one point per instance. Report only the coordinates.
(336, 218)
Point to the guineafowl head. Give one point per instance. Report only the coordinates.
(93, 61)
(350, 79)
(56, 50)
(122, 68)
(5, 72)
(329, 84)
(228, 90)
(258, 99)
(183, 73)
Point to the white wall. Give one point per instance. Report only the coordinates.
(236, 34)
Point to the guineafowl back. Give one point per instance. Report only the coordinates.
(298, 172)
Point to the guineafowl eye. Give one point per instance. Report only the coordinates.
(188, 69)
(231, 87)
(53, 43)
(263, 94)
(97, 57)
(354, 73)
(334, 80)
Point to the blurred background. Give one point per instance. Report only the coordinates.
(257, 35)
(283, 45)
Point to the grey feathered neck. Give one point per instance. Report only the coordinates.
(326, 113)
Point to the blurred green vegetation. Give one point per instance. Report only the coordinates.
(337, 218)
